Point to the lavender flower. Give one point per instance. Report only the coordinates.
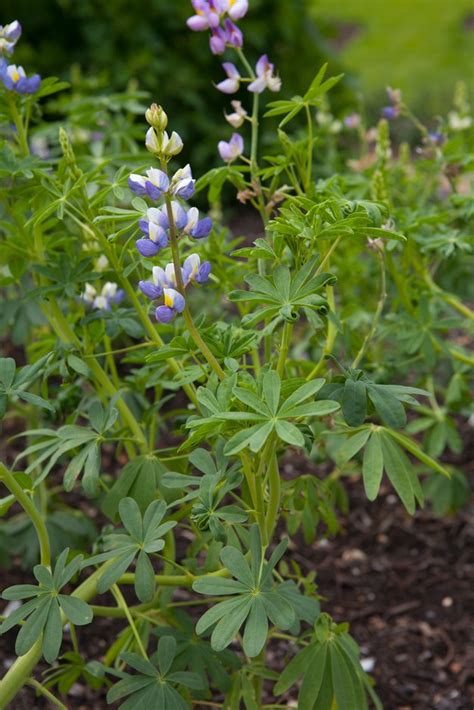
(161, 279)
(182, 183)
(9, 36)
(14, 79)
(193, 270)
(154, 230)
(153, 185)
(231, 150)
(390, 112)
(265, 77)
(232, 83)
(353, 120)
(173, 303)
(228, 36)
(195, 227)
(237, 117)
(210, 12)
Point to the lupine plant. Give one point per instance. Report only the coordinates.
(178, 380)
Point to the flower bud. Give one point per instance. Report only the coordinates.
(156, 117)
(171, 145)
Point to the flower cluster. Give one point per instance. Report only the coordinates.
(109, 295)
(170, 221)
(13, 77)
(217, 16)
(164, 284)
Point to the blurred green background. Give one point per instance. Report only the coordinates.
(422, 46)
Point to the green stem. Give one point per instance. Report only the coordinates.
(330, 336)
(284, 347)
(17, 120)
(193, 331)
(46, 693)
(32, 512)
(274, 487)
(377, 314)
(449, 298)
(119, 598)
(309, 168)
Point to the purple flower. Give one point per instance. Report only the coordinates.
(161, 279)
(206, 17)
(153, 185)
(154, 228)
(265, 77)
(227, 36)
(237, 117)
(9, 35)
(352, 120)
(231, 150)
(193, 270)
(237, 9)
(195, 227)
(437, 138)
(390, 112)
(232, 83)
(15, 79)
(182, 184)
(173, 303)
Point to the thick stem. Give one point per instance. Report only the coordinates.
(284, 347)
(32, 512)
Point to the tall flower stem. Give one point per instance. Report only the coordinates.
(309, 167)
(32, 512)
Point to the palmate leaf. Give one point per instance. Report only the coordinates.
(141, 536)
(283, 294)
(254, 600)
(269, 414)
(355, 390)
(153, 686)
(331, 672)
(196, 653)
(43, 611)
(384, 450)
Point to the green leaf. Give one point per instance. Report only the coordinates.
(227, 628)
(317, 669)
(33, 626)
(295, 668)
(271, 390)
(166, 653)
(76, 610)
(256, 628)
(237, 565)
(144, 578)
(7, 371)
(131, 518)
(398, 468)
(372, 466)
(346, 684)
(352, 445)
(289, 432)
(53, 633)
(305, 391)
(354, 402)
(390, 410)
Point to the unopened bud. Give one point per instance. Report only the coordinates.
(156, 117)
(171, 145)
